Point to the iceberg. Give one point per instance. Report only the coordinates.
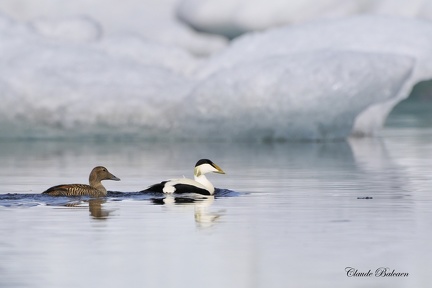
(318, 81)
(301, 96)
(383, 35)
(52, 89)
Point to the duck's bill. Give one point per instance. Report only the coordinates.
(112, 177)
(218, 169)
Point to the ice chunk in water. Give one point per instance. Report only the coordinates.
(311, 95)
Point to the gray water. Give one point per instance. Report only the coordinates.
(295, 215)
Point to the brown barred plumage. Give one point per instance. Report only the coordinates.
(74, 190)
(95, 189)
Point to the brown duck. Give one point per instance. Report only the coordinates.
(95, 189)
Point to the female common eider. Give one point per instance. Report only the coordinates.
(200, 184)
(95, 189)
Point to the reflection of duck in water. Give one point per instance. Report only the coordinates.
(94, 205)
(203, 217)
(96, 209)
(200, 184)
(95, 189)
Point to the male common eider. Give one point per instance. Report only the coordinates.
(200, 184)
(95, 189)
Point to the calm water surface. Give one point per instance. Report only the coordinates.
(297, 215)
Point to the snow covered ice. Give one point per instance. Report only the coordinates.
(67, 78)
